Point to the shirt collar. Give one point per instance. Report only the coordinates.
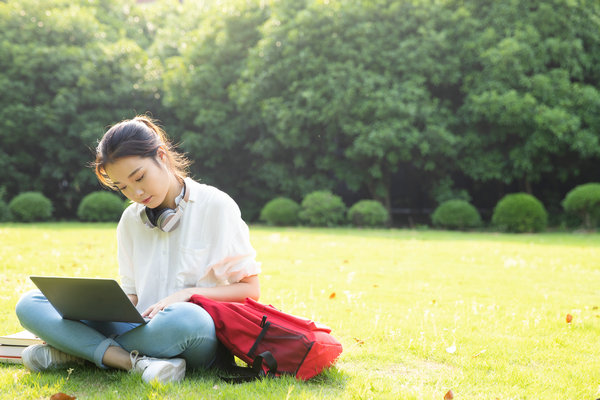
(190, 185)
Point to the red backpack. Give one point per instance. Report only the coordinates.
(271, 341)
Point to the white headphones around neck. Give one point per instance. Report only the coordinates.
(166, 219)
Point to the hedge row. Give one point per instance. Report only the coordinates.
(522, 212)
(323, 208)
(516, 212)
(34, 207)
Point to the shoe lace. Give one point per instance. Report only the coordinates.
(134, 356)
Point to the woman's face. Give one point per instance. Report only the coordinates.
(144, 180)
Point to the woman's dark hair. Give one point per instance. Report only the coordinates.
(140, 136)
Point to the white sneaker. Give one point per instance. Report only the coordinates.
(161, 369)
(40, 357)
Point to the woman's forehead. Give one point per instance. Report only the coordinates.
(125, 167)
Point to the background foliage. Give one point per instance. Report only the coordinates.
(406, 102)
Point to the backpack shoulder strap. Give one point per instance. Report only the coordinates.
(262, 362)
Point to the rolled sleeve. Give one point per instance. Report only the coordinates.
(234, 257)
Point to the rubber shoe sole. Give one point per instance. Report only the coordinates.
(164, 371)
(40, 357)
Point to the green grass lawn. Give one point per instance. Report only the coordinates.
(418, 312)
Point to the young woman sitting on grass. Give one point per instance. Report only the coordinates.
(164, 258)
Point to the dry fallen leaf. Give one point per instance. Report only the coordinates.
(332, 295)
(449, 395)
(61, 396)
(569, 318)
(478, 354)
(359, 341)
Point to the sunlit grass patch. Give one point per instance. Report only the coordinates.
(418, 313)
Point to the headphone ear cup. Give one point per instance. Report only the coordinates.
(157, 218)
(162, 217)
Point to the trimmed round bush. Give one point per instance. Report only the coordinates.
(520, 212)
(100, 206)
(280, 211)
(4, 211)
(368, 213)
(322, 208)
(584, 201)
(456, 214)
(30, 207)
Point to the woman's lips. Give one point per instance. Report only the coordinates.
(146, 201)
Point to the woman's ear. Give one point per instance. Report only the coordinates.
(161, 153)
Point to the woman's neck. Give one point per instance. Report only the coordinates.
(175, 187)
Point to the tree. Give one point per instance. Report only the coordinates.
(65, 77)
(346, 87)
(198, 86)
(530, 100)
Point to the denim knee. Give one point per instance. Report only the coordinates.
(190, 319)
(28, 305)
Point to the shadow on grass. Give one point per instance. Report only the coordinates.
(89, 382)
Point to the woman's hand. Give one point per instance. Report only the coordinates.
(247, 287)
(177, 297)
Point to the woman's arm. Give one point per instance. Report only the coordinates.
(133, 298)
(247, 287)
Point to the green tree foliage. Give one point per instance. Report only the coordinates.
(68, 71)
(344, 87)
(531, 103)
(198, 83)
(5, 214)
(411, 101)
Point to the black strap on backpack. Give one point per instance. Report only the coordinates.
(256, 371)
(235, 374)
(226, 361)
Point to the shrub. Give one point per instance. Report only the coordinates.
(322, 208)
(30, 206)
(280, 211)
(368, 213)
(456, 214)
(100, 206)
(520, 212)
(584, 201)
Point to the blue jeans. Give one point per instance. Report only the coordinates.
(182, 330)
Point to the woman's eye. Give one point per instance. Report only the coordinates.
(123, 188)
(140, 178)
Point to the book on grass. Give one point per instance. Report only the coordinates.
(11, 354)
(23, 338)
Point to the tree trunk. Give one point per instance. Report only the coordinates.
(380, 191)
(527, 185)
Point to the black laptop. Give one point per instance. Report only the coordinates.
(92, 299)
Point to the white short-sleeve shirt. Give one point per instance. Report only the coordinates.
(210, 247)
